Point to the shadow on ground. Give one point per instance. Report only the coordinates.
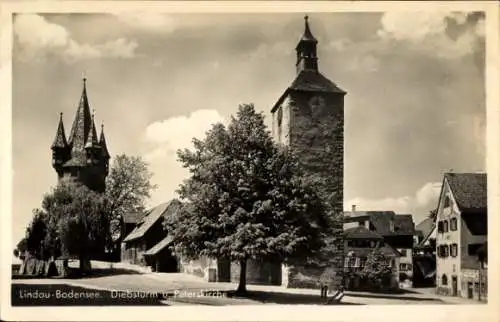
(67, 295)
(390, 297)
(101, 272)
(75, 274)
(283, 298)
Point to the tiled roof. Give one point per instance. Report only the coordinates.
(312, 80)
(469, 190)
(132, 218)
(307, 36)
(151, 217)
(159, 247)
(386, 250)
(403, 224)
(78, 159)
(309, 81)
(361, 232)
(92, 138)
(60, 139)
(102, 143)
(81, 124)
(425, 227)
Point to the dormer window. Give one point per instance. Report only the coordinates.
(391, 226)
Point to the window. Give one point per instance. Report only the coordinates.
(402, 267)
(446, 250)
(349, 243)
(472, 249)
(352, 262)
(443, 251)
(445, 226)
(446, 202)
(440, 226)
(453, 224)
(444, 280)
(403, 252)
(362, 262)
(454, 250)
(280, 115)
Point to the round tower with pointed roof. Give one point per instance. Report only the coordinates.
(83, 156)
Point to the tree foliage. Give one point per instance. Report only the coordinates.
(71, 222)
(75, 221)
(246, 198)
(377, 271)
(128, 186)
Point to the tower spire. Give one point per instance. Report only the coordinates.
(92, 138)
(102, 143)
(82, 123)
(306, 50)
(60, 139)
(307, 36)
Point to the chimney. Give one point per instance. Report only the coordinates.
(353, 208)
(391, 226)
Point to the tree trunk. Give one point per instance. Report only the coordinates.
(242, 286)
(85, 265)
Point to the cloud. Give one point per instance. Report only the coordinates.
(424, 200)
(164, 139)
(38, 37)
(426, 31)
(148, 21)
(177, 132)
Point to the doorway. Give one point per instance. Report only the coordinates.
(454, 286)
(470, 290)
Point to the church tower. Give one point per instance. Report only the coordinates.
(83, 156)
(309, 119)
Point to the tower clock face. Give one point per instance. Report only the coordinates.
(317, 104)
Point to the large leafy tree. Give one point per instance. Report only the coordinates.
(71, 222)
(246, 198)
(128, 186)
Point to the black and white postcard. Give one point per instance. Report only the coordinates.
(249, 160)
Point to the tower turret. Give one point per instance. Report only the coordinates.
(82, 155)
(60, 148)
(307, 58)
(104, 149)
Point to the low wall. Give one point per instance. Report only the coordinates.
(258, 272)
(32, 266)
(301, 277)
(203, 267)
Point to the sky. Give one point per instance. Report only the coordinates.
(415, 106)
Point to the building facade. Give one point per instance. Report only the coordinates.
(397, 232)
(461, 231)
(147, 244)
(83, 156)
(360, 243)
